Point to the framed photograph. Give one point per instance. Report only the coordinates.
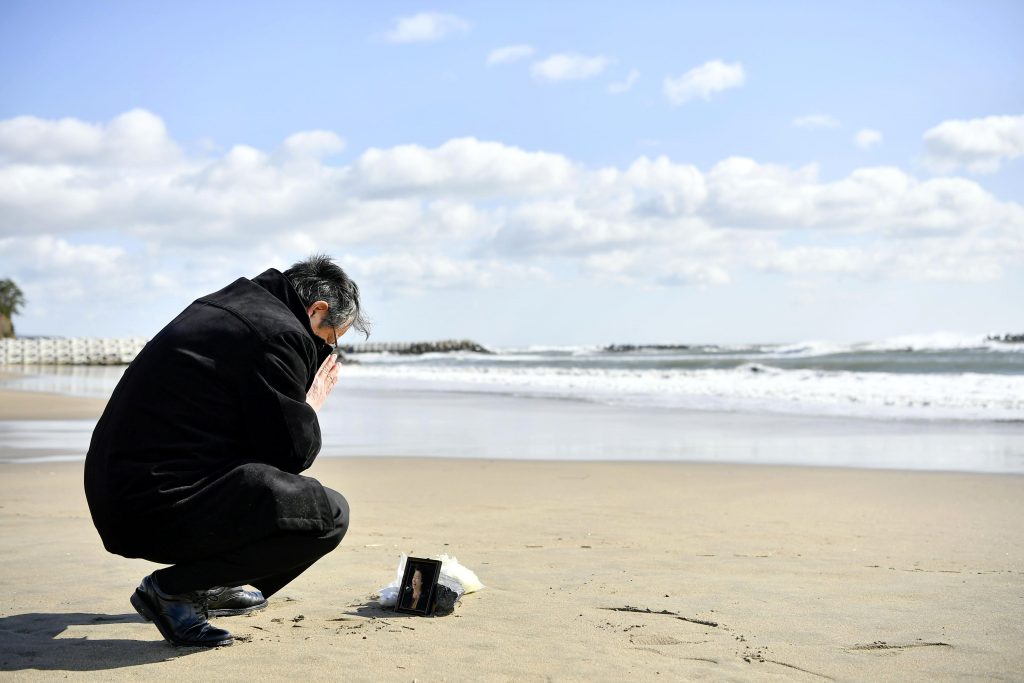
(419, 584)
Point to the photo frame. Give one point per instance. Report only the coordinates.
(417, 591)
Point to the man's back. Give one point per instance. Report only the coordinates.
(220, 386)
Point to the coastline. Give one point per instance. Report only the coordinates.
(386, 421)
(807, 572)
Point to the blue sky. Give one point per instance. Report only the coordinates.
(523, 202)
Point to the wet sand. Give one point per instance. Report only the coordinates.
(37, 405)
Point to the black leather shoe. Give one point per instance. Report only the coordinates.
(181, 619)
(229, 602)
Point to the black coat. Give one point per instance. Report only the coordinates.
(200, 445)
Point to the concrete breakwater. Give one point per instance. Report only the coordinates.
(122, 350)
(627, 348)
(1006, 338)
(70, 351)
(444, 346)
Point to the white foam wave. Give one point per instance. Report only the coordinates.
(941, 341)
(751, 386)
(809, 348)
(935, 342)
(570, 349)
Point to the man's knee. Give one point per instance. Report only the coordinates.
(340, 510)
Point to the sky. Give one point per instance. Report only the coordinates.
(522, 173)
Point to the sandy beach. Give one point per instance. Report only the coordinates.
(749, 573)
(38, 405)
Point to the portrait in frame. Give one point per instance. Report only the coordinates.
(419, 584)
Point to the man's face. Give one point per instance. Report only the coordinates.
(331, 335)
(317, 314)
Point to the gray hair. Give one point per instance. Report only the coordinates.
(318, 279)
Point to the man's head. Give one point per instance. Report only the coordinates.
(330, 297)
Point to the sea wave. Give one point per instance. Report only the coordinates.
(920, 343)
(923, 343)
(748, 387)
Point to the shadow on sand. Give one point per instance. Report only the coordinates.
(373, 610)
(29, 641)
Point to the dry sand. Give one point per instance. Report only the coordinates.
(805, 574)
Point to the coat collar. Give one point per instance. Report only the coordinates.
(279, 286)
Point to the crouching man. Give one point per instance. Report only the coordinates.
(195, 462)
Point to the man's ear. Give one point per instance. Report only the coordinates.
(316, 306)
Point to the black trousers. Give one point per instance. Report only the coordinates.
(269, 563)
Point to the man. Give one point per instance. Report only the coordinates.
(195, 462)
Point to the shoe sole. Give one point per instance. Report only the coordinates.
(239, 611)
(142, 606)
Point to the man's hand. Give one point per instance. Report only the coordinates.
(323, 383)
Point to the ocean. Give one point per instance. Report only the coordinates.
(939, 402)
(938, 377)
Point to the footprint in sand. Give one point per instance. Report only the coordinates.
(654, 640)
(882, 645)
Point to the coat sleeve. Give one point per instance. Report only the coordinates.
(286, 431)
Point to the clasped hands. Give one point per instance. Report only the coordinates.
(323, 383)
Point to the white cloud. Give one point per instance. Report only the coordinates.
(619, 87)
(816, 122)
(50, 254)
(867, 137)
(136, 137)
(927, 261)
(638, 267)
(509, 54)
(569, 67)
(880, 200)
(113, 215)
(462, 166)
(312, 144)
(53, 273)
(664, 188)
(426, 27)
(415, 272)
(980, 145)
(805, 260)
(703, 81)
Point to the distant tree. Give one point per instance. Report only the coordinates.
(11, 301)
